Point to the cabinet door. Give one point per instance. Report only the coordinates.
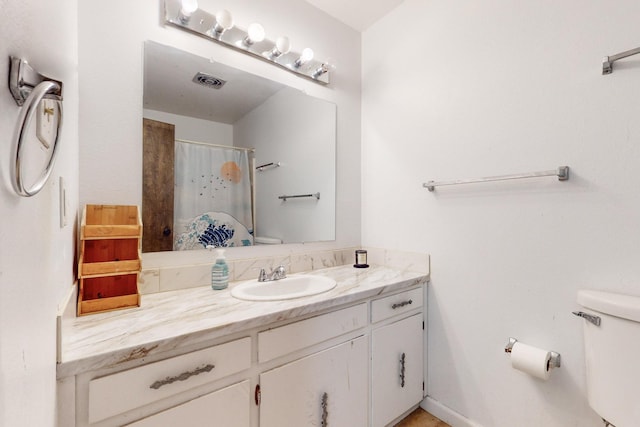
(328, 388)
(227, 407)
(397, 364)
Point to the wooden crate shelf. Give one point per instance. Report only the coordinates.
(109, 260)
(110, 221)
(105, 256)
(106, 293)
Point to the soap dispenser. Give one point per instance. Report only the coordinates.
(219, 271)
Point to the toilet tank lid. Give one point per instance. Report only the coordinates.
(619, 305)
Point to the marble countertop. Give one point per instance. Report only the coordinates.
(167, 321)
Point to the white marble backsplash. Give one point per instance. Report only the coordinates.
(401, 260)
(162, 279)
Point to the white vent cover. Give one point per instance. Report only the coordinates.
(209, 81)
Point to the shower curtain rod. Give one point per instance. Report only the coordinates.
(231, 147)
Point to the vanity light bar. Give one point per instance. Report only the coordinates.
(220, 28)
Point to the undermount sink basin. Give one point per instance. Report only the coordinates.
(300, 285)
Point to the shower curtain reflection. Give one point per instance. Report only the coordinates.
(212, 199)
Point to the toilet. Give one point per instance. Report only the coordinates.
(612, 355)
(264, 240)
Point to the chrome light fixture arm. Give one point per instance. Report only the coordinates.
(220, 28)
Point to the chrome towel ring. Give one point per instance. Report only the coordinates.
(29, 89)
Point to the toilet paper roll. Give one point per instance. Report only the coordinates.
(532, 360)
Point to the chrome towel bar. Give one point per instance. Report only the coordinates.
(316, 195)
(562, 173)
(607, 62)
(268, 165)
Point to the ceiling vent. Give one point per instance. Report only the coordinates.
(209, 81)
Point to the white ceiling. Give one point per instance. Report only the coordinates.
(169, 86)
(358, 14)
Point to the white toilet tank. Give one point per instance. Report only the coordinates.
(264, 240)
(612, 353)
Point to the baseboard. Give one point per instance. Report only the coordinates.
(446, 414)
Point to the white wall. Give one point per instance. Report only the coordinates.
(36, 255)
(297, 131)
(193, 129)
(469, 89)
(111, 36)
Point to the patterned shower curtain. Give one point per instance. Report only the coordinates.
(212, 198)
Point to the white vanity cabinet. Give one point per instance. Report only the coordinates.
(397, 361)
(331, 387)
(358, 364)
(227, 407)
(328, 388)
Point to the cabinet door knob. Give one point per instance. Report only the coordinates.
(167, 231)
(257, 395)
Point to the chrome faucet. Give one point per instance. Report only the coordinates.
(276, 274)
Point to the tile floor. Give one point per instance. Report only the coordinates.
(421, 418)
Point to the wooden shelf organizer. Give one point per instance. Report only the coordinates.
(109, 261)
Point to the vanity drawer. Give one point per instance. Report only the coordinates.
(393, 305)
(296, 336)
(121, 392)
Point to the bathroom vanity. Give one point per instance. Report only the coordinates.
(352, 356)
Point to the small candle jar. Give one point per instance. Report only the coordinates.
(361, 259)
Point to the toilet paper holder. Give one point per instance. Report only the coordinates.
(554, 360)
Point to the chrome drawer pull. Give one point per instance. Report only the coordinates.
(324, 404)
(402, 360)
(401, 304)
(182, 377)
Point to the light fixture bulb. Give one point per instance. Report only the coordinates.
(329, 64)
(224, 21)
(307, 55)
(326, 67)
(283, 45)
(255, 33)
(187, 7)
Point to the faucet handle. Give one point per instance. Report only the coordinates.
(262, 277)
(279, 272)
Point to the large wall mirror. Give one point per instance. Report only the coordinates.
(231, 158)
